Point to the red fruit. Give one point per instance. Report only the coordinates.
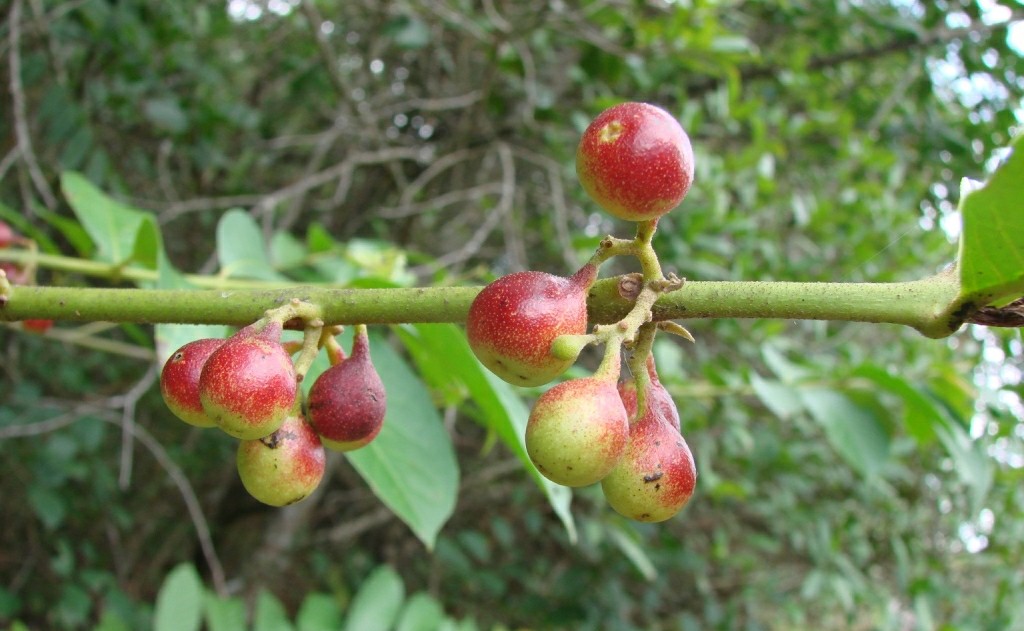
(37, 326)
(248, 385)
(658, 397)
(284, 467)
(179, 381)
(635, 161)
(6, 235)
(577, 431)
(513, 321)
(347, 402)
(15, 274)
(656, 476)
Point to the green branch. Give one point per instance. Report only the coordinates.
(928, 305)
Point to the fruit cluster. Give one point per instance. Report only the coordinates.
(248, 386)
(18, 275)
(528, 328)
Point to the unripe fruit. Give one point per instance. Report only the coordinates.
(248, 385)
(657, 397)
(284, 467)
(347, 402)
(179, 381)
(577, 431)
(656, 476)
(635, 161)
(514, 320)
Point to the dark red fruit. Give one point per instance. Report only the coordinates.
(248, 385)
(513, 321)
(347, 402)
(635, 161)
(179, 381)
(37, 326)
(284, 467)
(657, 397)
(577, 431)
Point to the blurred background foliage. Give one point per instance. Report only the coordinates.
(851, 475)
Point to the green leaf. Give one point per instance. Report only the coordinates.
(49, 506)
(223, 614)
(179, 604)
(240, 248)
(973, 466)
(318, 612)
(446, 361)
(783, 400)
(920, 412)
(270, 614)
(627, 541)
(286, 251)
(992, 243)
(375, 606)
(411, 464)
(122, 234)
(171, 337)
(853, 430)
(422, 612)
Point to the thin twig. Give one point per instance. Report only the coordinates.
(128, 402)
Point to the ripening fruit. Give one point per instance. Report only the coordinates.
(347, 401)
(513, 321)
(284, 467)
(577, 431)
(656, 476)
(179, 381)
(657, 396)
(39, 326)
(635, 161)
(248, 385)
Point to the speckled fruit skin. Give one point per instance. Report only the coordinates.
(347, 402)
(179, 380)
(635, 161)
(284, 467)
(657, 396)
(248, 385)
(656, 476)
(513, 321)
(577, 431)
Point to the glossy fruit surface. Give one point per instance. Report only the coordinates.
(284, 467)
(513, 321)
(655, 477)
(179, 381)
(635, 161)
(248, 385)
(347, 402)
(577, 431)
(657, 397)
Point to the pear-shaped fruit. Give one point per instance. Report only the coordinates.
(657, 397)
(248, 385)
(577, 431)
(656, 476)
(347, 401)
(284, 467)
(635, 161)
(514, 320)
(179, 380)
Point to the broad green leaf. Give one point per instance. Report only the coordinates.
(445, 360)
(171, 337)
(122, 234)
(240, 248)
(286, 251)
(223, 614)
(179, 604)
(411, 464)
(853, 430)
(422, 612)
(921, 412)
(783, 400)
(318, 612)
(973, 466)
(270, 614)
(377, 603)
(992, 242)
